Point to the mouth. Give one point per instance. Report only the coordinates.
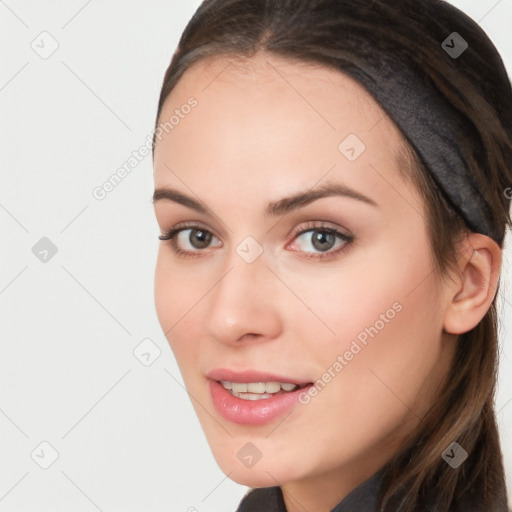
(259, 390)
(254, 398)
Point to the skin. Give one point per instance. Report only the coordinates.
(266, 128)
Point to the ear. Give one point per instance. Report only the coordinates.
(472, 290)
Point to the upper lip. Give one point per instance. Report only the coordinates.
(252, 376)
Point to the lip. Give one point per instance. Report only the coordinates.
(251, 376)
(252, 412)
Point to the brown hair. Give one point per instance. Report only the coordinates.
(337, 33)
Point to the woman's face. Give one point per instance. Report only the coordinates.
(305, 262)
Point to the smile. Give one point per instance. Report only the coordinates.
(252, 397)
(257, 390)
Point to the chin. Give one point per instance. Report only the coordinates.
(252, 477)
(267, 471)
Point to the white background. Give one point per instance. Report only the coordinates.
(126, 434)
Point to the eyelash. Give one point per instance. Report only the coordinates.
(170, 238)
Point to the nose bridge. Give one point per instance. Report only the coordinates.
(243, 300)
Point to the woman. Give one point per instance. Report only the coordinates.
(331, 183)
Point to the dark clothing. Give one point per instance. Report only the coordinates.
(361, 499)
(270, 499)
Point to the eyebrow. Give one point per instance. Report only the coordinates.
(275, 208)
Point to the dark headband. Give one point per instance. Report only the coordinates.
(427, 120)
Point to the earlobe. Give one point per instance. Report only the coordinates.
(474, 288)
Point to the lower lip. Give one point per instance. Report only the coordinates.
(252, 412)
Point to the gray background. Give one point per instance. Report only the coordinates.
(126, 435)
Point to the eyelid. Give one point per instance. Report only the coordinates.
(299, 230)
(191, 224)
(339, 233)
(170, 234)
(319, 224)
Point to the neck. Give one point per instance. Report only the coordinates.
(322, 492)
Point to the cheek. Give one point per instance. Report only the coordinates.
(175, 293)
(353, 302)
(173, 301)
(383, 294)
(389, 364)
(386, 334)
(176, 300)
(165, 295)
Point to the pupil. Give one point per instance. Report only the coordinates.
(203, 238)
(322, 240)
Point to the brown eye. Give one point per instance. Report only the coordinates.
(189, 241)
(199, 238)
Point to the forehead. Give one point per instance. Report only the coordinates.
(272, 119)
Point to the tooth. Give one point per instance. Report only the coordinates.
(256, 387)
(239, 387)
(257, 390)
(272, 387)
(226, 384)
(251, 396)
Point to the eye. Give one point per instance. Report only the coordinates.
(321, 238)
(189, 240)
(192, 240)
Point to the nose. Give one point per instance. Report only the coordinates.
(244, 304)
